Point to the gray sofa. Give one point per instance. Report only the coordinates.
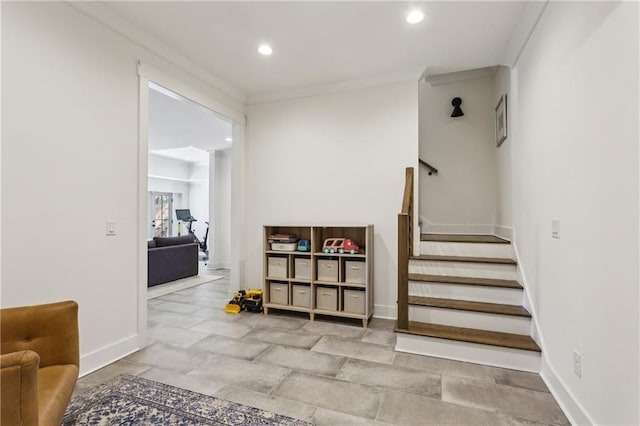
(171, 258)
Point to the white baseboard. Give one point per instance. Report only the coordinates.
(427, 227)
(104, 356)
(385, 311)
(574, 411)
(505, 232)
(218, 265)
(466, 249)
(450, 228)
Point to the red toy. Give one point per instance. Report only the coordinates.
(349, 247)
(340, 245)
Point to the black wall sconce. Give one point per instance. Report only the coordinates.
(457, 112)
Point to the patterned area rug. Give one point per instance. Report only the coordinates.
(129, 400)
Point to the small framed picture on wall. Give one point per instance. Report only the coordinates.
(501, 120)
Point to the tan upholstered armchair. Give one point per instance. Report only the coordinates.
(40, 359)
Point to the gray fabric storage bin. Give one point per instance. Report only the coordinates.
(327, 270)
(354, 272)
(279, 293)
(301, 295)
(327, 298)
(277, 267)
(302, 268)
(354, 301)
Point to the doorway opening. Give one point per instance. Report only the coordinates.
(188, 161)
(188, 180)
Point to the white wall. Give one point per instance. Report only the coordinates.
(575, 157)
(70, 148)
(171, 168)
(333, 158)
(462, 196)
(502, 86)
(220, 204)
(199, 197)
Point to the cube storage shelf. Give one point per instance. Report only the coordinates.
(314, 282)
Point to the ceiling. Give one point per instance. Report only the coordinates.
(320, 43)
(182, 129)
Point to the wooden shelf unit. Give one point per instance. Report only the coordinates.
(288, 279)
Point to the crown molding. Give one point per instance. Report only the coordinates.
(528, 22)
(436, 79)
(341, 86)
(135, 34)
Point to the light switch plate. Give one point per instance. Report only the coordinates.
(111, 228)
(555, 228)
(577, 363)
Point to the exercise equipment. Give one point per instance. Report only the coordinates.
(184, 215)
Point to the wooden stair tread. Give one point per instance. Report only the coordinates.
(466, 305)
(440, 258)
(463, 238)
(449, 279)
(493, 338)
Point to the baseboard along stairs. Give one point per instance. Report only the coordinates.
(465, 303)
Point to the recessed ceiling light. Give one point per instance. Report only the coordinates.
(228, 140)
(415, 16)
(265, 50)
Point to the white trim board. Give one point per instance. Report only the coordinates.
(427, 227)
(571, 408)
(385, 311)
(505, 232)
(143, 188)
(108, 354)
(218, 265)
(340, 86)
(219, 108)
(435, 78)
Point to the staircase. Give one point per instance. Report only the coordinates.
(460, 299)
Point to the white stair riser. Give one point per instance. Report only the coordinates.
(470, 319)
(507, 296)
(467, 249)
(496, 356)
(463, 269)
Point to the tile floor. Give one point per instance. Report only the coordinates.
(325, 372)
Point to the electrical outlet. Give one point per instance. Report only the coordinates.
(577, 363)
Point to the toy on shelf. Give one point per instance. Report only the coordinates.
(349, 247)
(304, 245)
(340, 245)
(283, 242)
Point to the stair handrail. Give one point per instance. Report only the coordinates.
(405, 250)
(432, 170)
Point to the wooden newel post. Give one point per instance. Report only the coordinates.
(403, 271)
